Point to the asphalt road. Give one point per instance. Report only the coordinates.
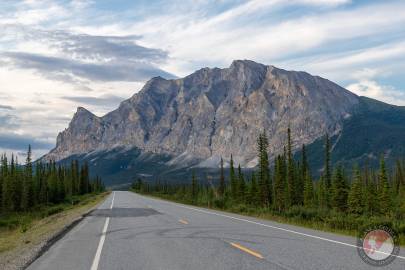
(145, 233)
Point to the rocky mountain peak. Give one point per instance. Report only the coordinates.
(214, 112)
(81, 111)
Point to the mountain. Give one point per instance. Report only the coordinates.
(193, 121)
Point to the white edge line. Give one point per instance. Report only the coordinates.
(112, 201)
(279, 228)
(97, 257)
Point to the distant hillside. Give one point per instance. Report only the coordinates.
(375, 129)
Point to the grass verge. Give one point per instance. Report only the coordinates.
(22, 235)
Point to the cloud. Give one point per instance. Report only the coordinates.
(66, 56)
(373, 89)
(66, 69)
(21, 142)
(6, 107)
(105, 100)
(85, 47)
(8, 121)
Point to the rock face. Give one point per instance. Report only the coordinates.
(212, 113)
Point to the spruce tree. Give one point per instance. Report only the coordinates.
(1, 183)
(384, 192)
(27, 184)
(328, 175)
(339, 190)
(264, 173)
(370, 192)
(291, 181)
(241, 186)
(221, 188)
(15, 178)
(355, 197)
(301, 179)
(234, 181)
(397, 177)
(43, 184)
(194, 188)
(279, 184)
(254, 197)
(7, 185)
(327, 168)
(322, 193)
(308, 190)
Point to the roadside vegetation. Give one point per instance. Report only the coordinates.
(341, 199)
(32, 192)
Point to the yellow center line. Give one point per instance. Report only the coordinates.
(251, 252)
(183, 221)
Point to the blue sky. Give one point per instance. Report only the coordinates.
(57, 55)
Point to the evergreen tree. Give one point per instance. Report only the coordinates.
(15, 178)
(322, 193)
(27, 184)
(301, 178)
(398, 177)
(264, 173)
(355, 197)
(327, 162)
(308, 190)
(22, 188)
(1, 184)
(279, 184)
(291, 181)
(327, 168)
(370, 193)
(7, 185)
(253, 191)
(234, 181)
(241, 186)
(43, 184)
(339, 190)
(384, 192)
(221, 189)
(194, 188)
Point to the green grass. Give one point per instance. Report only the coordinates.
(19, 229)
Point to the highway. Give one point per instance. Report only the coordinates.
(130, 231)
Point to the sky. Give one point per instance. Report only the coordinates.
(58, 55)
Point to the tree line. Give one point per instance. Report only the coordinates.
(25, 187)
(288, 185)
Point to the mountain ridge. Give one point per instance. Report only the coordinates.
(212, 113)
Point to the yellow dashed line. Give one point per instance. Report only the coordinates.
(249, 251)
(183, 221)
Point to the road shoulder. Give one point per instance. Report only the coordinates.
(44, 233)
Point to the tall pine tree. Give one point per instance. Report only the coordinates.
(384, 192)
(264, 172)
(355, 198)
(221, 188)
(234, 181)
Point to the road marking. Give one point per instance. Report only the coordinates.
(245, 249)
(112, 201)
(277, 228)
(183, 221)
(96, 259)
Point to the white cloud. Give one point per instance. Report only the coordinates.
(242, 32)
(372, 89)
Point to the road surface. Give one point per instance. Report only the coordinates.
(129, 231)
